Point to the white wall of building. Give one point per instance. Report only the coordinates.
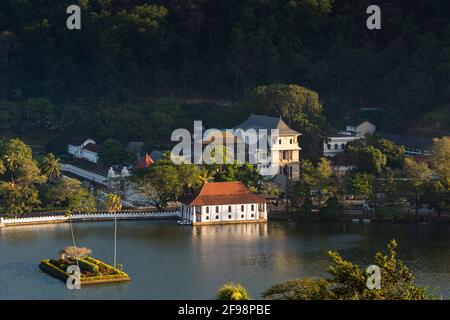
(80, 153)
(336, 145)
(222, 213)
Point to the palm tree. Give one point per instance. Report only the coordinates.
(232, 291)
(114, 204)
(51, 167)
(205, 176)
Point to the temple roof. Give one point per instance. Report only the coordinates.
(145, 162)
(264, 122)
(221, 193)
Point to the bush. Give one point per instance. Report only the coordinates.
(87, 266)
(232, 291)
(332, 209)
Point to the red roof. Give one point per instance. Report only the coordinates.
(145, 162)
(218, 193)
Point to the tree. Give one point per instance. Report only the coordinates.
(386, 196)
(112, 153)
(440, 157)
(18, 163)
(232, 291)
(437, 196)
(299, 106)
(370, 160)
(70, 194)
(18, 199)
(418, 174)
(189, 176)
(160, 183)
(347, 281)
(113, 202)
(395, 155)
(332, 209)
(51, 167)
(323, 184)
(361, 183)
(300, 289)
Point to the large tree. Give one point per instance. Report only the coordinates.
(347, 281)
(299, 106)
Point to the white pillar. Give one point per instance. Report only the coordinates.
(194, 218)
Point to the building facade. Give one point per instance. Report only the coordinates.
(284, 152)
(85, 149)
(223, 202)
(336, 143)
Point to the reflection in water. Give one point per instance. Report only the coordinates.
(170, 261)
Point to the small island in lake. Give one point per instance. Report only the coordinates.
(93, 271)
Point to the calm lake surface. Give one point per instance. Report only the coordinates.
(167, 261)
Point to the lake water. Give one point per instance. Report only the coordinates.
(167, 261)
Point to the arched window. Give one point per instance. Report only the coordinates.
(242, 208)
(217, 209)
(329, 146)
(253, 207)
(336, 146)
(242, 216)
(252, 215)
(207, 209)
(229, 216)
(343, 146)
(207, 217)
(229, 208)
(217, 217)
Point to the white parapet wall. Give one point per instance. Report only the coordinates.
(4, 222)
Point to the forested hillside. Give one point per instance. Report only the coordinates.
(130, 51)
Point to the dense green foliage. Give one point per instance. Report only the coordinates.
(347, 281)
(107, 79)
(232, 291)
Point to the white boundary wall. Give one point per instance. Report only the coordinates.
(89, 217)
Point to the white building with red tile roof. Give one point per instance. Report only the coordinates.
(223, 202)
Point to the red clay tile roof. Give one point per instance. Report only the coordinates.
(145, 162)
(219, 193)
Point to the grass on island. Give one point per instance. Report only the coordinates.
(93, 271)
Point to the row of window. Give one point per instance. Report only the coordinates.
(229, 208)
(230, 217)
(291, 141)
(336, 146)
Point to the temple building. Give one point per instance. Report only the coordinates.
(223, 202)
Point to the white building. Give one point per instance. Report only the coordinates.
(285, 150)
(361, 129)
(337, 142)
(223, 202)
(84, 149)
